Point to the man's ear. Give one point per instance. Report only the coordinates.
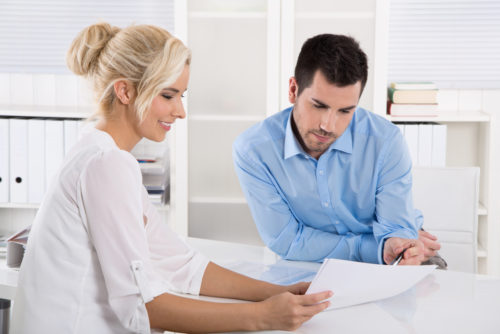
(124, 91)
(293, 89)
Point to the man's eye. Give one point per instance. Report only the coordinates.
(345, 111)
(319, 106)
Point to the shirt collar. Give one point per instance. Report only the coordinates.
(293, 147)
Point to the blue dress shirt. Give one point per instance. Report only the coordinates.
(343, 205)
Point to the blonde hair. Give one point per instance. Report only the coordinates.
(148, 57)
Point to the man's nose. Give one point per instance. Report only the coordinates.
(328, 121)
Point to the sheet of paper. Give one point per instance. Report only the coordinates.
(355, 283)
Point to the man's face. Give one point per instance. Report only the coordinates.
(322, 112)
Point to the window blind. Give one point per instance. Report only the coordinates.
(35, 35)
(455, 43)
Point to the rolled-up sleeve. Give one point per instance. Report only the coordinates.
(111, 194)
(396, 216)
(179, 267)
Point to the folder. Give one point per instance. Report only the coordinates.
(54, 149)
(425, 145)
(438, 145)
(411, 136)
(70, 134)
(36, 160)
(18, 134)
(4, 160)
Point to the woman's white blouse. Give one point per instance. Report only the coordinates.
(98, 251)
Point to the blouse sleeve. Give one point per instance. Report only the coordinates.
(180, 266)
(112, 208)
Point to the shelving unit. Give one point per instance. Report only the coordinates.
(469, 141)
(15, 216)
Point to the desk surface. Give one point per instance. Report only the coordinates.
(444, 302)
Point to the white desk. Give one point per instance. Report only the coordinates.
(444, 302)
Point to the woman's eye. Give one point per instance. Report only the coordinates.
(168, 97)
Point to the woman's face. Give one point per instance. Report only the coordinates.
(165, 109)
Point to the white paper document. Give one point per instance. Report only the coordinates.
(355, 283)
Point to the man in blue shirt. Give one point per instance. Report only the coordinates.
(325, 178)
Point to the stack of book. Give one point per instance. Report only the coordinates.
(412, 99)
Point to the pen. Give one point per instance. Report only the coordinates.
(398, 258)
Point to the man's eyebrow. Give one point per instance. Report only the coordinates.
(321, 104)
(347, 108)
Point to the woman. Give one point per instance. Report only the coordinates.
(99, 260)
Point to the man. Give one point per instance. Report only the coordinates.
(325, 178)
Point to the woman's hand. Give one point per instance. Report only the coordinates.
(288, 311)
(298, 288)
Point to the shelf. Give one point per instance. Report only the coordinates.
(162, 207)
(481, 210)
(218, 200)
(45, 111)
(481, 252)
(335, 15)
(19, 206)
(459, 116)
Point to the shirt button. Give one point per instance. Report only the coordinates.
(325, 204)
(337, 222)
(321, 172)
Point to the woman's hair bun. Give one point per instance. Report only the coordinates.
(83, 54)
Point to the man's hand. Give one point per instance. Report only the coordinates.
(414, 254)
(431, 246)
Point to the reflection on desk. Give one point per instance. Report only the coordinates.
(444, 302)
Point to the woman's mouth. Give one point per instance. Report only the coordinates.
(166, 126)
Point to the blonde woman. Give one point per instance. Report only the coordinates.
(99, 260)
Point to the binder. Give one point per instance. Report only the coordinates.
(4, 160)
(54, 149)
(425, 145)
(439, 145)
(411, 136)
(18, 133)
(70, 134)
(36, 160)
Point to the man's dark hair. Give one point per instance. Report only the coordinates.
(338, 57)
